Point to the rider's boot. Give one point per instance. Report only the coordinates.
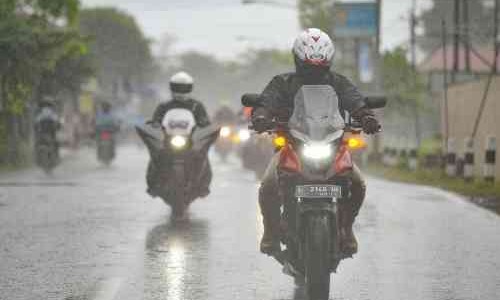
(270, 209)
(348, 212)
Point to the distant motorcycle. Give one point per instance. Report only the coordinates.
(256, 153)
(46, 153)
(179, 149)
(314, 157)
(106, 146)
(225, 145)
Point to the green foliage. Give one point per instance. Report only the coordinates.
(3, 139)
(404, 87)
(36, 38)
(46, 10)
(118, 48)
(7, 7)
(316, 14)
(431, 146)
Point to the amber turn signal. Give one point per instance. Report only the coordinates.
(355, 142)
(279, 141)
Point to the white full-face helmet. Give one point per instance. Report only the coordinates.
(181, 83)
(313, 47)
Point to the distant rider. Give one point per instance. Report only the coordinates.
(225, 115)
(181, 86)
(47, 124)
(105, 120)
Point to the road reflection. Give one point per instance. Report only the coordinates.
(176, 261)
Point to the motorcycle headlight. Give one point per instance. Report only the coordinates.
(244, 135)
(225, 131)
(178, 141)
(317, 151)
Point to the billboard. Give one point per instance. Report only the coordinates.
(355, 19)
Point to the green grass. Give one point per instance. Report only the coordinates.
(479, 191)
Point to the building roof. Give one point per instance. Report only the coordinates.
(434, 62)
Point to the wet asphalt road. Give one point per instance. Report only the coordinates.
(90, 232)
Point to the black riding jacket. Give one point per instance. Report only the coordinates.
(196, 107)
(280, 93)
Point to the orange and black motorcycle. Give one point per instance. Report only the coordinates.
(315, 155)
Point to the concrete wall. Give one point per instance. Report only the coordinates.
(463, 106)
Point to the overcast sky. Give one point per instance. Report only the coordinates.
(225, 28)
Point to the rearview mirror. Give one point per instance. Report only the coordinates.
(374, 102)
(251, 100)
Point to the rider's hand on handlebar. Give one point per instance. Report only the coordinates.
(261, 120)
(370, 124)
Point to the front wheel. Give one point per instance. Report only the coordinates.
(317, 256)
(179, 203)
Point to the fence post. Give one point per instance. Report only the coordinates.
(490, 160)
(469, 160)
(413, 160)
(451, 159)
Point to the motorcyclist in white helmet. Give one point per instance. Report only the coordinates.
(313, 52)
(181, 86)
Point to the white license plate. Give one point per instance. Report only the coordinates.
(318, 191)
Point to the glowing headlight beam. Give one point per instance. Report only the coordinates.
(178, 141)
(225, 131)
(317, 151)
(244, 135)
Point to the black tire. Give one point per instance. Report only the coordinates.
(105, 154)
(179, 201)
(317, 256)
(46, 159)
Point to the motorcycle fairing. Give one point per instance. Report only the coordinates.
(152, 138)
(316, 116)
(204, 137)
(316, 120)
(178, 121)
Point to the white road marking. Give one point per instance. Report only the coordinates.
(108, 288)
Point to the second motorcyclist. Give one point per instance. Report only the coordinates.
(313, 53)
(181, 86)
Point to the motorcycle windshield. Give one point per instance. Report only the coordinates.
(316, 116)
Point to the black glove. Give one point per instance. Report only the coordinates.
(370, 124)
(261, 120)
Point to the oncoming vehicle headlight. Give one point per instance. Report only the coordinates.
(178, 141)
(225, 131)
(244, 135)
(317, 151)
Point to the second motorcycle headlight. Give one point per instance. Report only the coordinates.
(178, 141)
(225, 131)
(244, 135)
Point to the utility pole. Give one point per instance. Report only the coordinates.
(379, 17)
(445, 86)
(466, 37)
(496, 36)
(413, 40)
(413, 53)
(456, 39)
